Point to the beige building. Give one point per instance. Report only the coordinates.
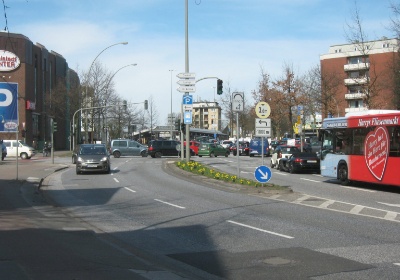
(206, 115)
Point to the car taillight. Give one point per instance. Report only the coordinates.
(151, 148)
(297, 160)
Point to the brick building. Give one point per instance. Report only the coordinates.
(357, 77)
(45, 89)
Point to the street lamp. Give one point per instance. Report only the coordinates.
(171, 122)
(86, 95)
(109, 81)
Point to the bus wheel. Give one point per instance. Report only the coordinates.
(343, 175)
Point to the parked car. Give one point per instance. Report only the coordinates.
(24, 151)
(255, 147)
(92, 158)
(298, 162)
(282, 151)
(244, 149)
(127, 147)
(3, 150)
(212, 150)
(159, 148)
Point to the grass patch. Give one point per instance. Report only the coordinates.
(201, 169)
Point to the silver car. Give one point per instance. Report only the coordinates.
(127, 147)
(92, 158)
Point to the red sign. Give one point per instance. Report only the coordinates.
(30, 105)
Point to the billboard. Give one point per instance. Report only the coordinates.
(8, 107)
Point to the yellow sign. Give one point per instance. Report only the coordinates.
(299, 119)
(263, 110)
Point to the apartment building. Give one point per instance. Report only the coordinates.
(206, 115)
(34, 91)
(357, 77)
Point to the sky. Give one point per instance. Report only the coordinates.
(234, 40)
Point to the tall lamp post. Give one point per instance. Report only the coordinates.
(172, 122)
(109, 81)
(86, 94)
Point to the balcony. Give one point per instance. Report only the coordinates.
(356, 66)
(359, 109)
(355, 81)
(358, 95)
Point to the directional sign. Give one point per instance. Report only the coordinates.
(186, 75)
(263, 174)
(263, 110)
(187, 82)
(263, 132)
(263, 123)
(187, 117)
(187, 99)
(186, 89)
(237, 101)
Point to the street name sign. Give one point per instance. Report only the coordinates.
(187, 82)
(187, 89)
(186, 75)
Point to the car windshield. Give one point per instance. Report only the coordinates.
(92, 151)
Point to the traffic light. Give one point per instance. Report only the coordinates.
(124, 105)
(146, 105)
(183, 128)
(54, 126)
(177, 124)
(219, 86)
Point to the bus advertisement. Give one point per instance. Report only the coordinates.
(362, 147)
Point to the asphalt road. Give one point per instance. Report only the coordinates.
(214, 231)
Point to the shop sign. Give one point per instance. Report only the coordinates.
(8, 61)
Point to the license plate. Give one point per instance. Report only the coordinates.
(311, 161)
(92, 165)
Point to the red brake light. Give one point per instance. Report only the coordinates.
(150, 148)
(297, 160)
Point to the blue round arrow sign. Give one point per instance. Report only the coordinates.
(263, 174)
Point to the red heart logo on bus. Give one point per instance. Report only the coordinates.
(376, 148)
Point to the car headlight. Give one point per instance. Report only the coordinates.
(79, 159)
(104, 159)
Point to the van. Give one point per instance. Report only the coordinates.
(24, 151)
(127, 147)
(255, 147)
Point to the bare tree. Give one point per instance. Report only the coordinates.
(395, 28)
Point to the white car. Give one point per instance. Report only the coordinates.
(282, 151)
(226, 144)
(24, 151)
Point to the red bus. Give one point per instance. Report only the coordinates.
(363, 147)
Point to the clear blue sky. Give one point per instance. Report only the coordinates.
(230, 39)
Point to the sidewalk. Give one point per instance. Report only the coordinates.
(39, 241)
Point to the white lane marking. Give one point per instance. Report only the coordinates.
(302, 198)
(177, 206)
(352, 188)
(327, 203)
(305, 179)
(390, 215)
(281, 173)
(115, 168)
(116, 180)
(126, 188)
(396, 264)
(357, 209)
(388, 204)
(259, 229)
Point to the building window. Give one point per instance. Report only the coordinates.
(385, 45)
(355, 60)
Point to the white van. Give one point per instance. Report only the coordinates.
(24, 151)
